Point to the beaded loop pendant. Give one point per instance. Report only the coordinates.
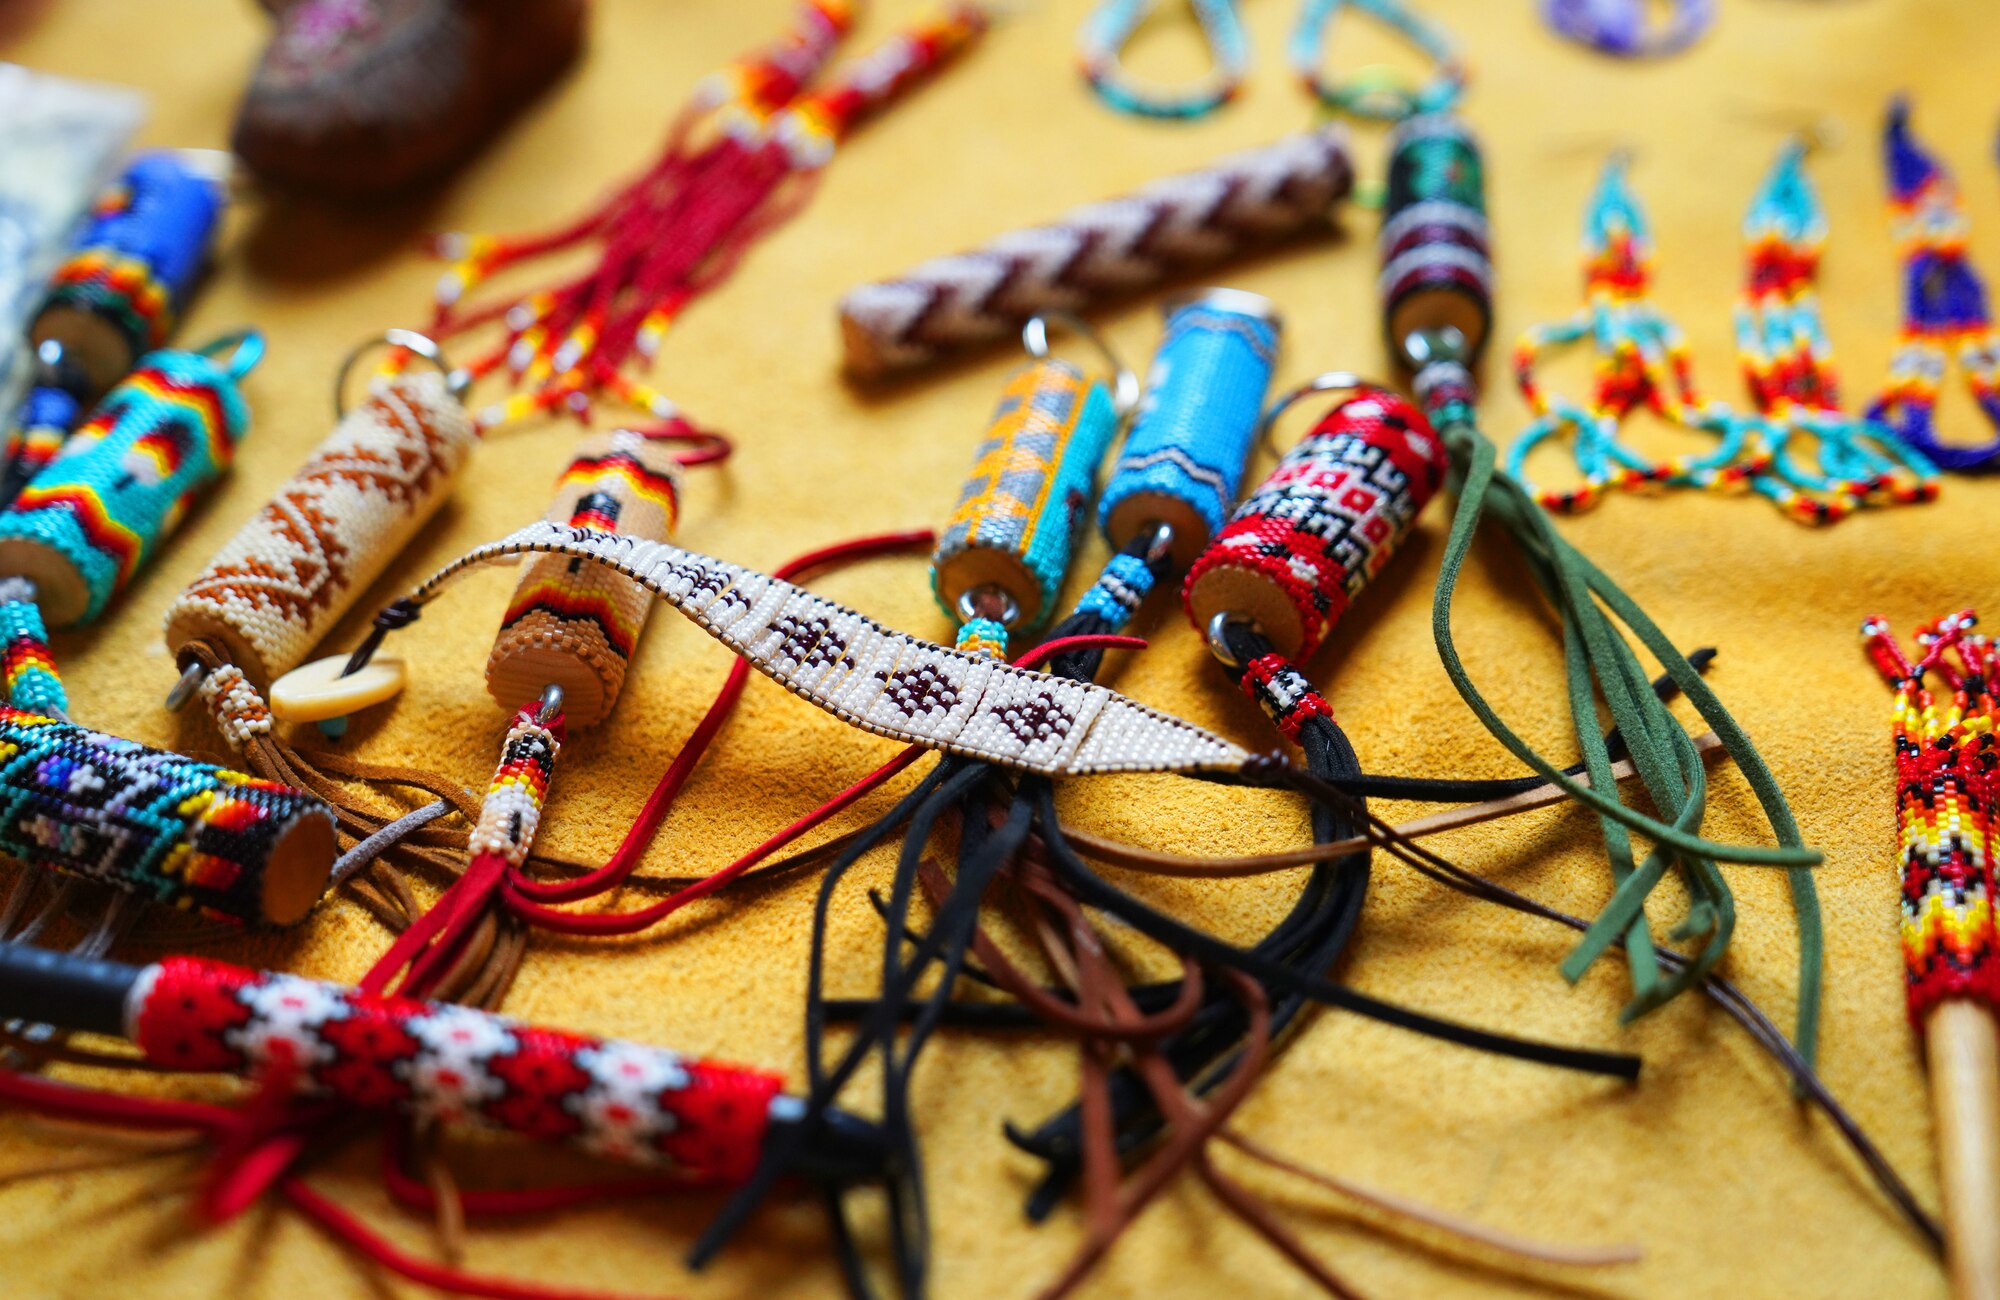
(1101, 43)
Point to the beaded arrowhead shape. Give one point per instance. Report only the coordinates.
(885, 681)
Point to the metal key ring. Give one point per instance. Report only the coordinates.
(1329, 381)
(1035, 338)
(423, 345)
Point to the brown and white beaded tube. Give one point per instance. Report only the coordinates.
(573, 623)
(289, 574)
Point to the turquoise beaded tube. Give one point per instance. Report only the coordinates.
(93, 516)
(1204, 395)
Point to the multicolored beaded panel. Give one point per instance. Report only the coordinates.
(1945, 313)
(1204, 395)
(1788, 361)
(126, 478)
(1016, 522)
(291, 572)
(456, 1065)
(1434, 245)
(882, 681)
(155, 824)
(573, 623)
(1946, 784)
(512, 810)
(1324, 522)
(32, 682)
(139, 252)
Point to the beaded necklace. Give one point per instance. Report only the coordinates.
(1945, 315)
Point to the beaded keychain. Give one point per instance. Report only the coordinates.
(1427, 308)
(1946, 793)
(1376, 92)
(1788, 363)
(153, 824)
(114, 298)
(1003, 553)
(1945, 314)
(1627, 28)
(1097, 253)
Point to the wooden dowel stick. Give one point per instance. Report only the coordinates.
(1964, 1053)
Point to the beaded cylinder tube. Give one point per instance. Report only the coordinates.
(29, 670)
(119, 291)
(1016, 522)
(1945, 312)
(573, 623)
(155, 824)
(126, 479)
(1204, 395)
(290, 573)
(454, 1064)
(1945, 813)
(1437, 272)
(1302, 546)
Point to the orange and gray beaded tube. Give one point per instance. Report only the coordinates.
(573, 623)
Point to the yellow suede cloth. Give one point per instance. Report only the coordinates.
(1707, 1162)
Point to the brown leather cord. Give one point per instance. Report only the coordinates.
(57, 1167)
(1155, 862)
(45, 1050)
(449, 1214)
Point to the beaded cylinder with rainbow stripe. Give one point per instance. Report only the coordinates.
(133, 263)
(125, 481)
(573, 623)
(155, 824)
(32, 682)
(1437, 271)
(1302, 546)
(292, 571)
(1183, 460)
(1015, 525)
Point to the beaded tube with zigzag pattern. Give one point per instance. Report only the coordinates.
(127, 478)
(573, 623)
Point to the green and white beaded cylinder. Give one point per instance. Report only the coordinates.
(126, 479)
(1437, 271)
(1014, 529)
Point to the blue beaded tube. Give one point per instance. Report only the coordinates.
(114, 298)
(87, 522)
(1204, 395)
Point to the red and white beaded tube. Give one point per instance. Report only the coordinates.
(572, 623)
(289, 574)
(1325, 521)
(454, 1064)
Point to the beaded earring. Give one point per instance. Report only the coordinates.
(1377, 93)
(1788, 363)
(1111, 25)
(1945, 314)
(1946, 794)
(114, 298)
